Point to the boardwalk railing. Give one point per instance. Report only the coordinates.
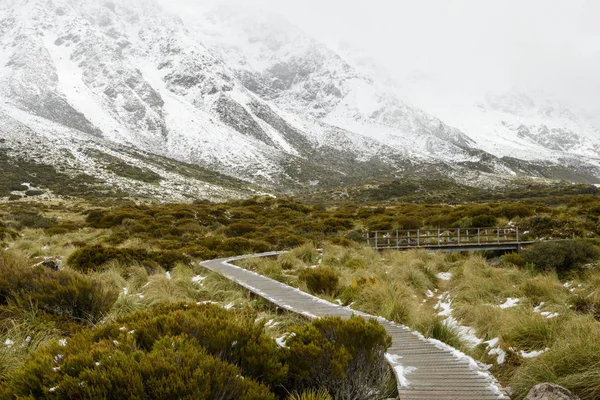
(443, 238)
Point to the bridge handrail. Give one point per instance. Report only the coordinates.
(441, 237)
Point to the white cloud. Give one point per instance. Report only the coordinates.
(461, 45)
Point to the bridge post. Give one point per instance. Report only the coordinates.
(478, 235)
(498, 232)
(438, 237)
(517, 234)
(397, 240)
(458, 235)
(418, 238)
(376, 243)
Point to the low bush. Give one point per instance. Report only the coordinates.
(232, 336)
(240, 245)
(561, 257)
(483, 221)
(344, 357)
(515, 259)
(33, 220)
(65, 294)
(175, 367)
(320, 280)
(93, 258)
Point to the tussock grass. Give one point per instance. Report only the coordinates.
(526, 330)
(573, 362)
(544, 288)
(477, 283)
(432, 326)
(19, 340)
(311, 394)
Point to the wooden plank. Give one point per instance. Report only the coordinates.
(436, 373)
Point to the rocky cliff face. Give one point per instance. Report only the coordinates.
(239, 93)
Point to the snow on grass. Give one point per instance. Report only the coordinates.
(509, 303)
(198, 279)
(8, 343)
(538, 308)
(497, 351)
(533, 354)
(466, 334)
(271, 324)
(445, 276)
(400, 370)
(206, 302)
(62, 342)
(549, 314)
(281, 340)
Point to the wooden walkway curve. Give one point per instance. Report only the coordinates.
(425, 369)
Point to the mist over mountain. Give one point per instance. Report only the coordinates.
(244, 95)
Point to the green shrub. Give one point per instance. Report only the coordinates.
(540, 225)
(511, 211)
(561, 257)
(168, 259)
(240, 229)
(514, 258)
(240, 246)
(345, 357)
(409, 223)
(66, 294)
(320, 280)
(91, 258)
(175, 367)
(483, 221)
(34, 220)
(290, 241)
(232, 336)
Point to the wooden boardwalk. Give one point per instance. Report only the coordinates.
(447, 239)
(425, 369)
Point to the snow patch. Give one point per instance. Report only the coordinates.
(401, 371)
(509, 303)
(445, 276)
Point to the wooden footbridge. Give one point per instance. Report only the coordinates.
(425, 369)
(448, 239)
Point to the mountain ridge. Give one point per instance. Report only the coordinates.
(260, 102)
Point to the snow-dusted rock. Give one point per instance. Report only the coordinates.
(549, 391)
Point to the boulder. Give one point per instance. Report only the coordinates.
(549, 391)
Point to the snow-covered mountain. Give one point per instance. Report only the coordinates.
(234, 91)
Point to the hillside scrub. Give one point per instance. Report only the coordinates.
(62, 294)
(562, 257)
(345, 357)
(134, 258)
(202, 351)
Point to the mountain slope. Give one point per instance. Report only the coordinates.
(128, 95)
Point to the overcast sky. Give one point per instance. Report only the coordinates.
(463, 45)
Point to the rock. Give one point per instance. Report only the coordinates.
(51, 264)
(549, 391)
